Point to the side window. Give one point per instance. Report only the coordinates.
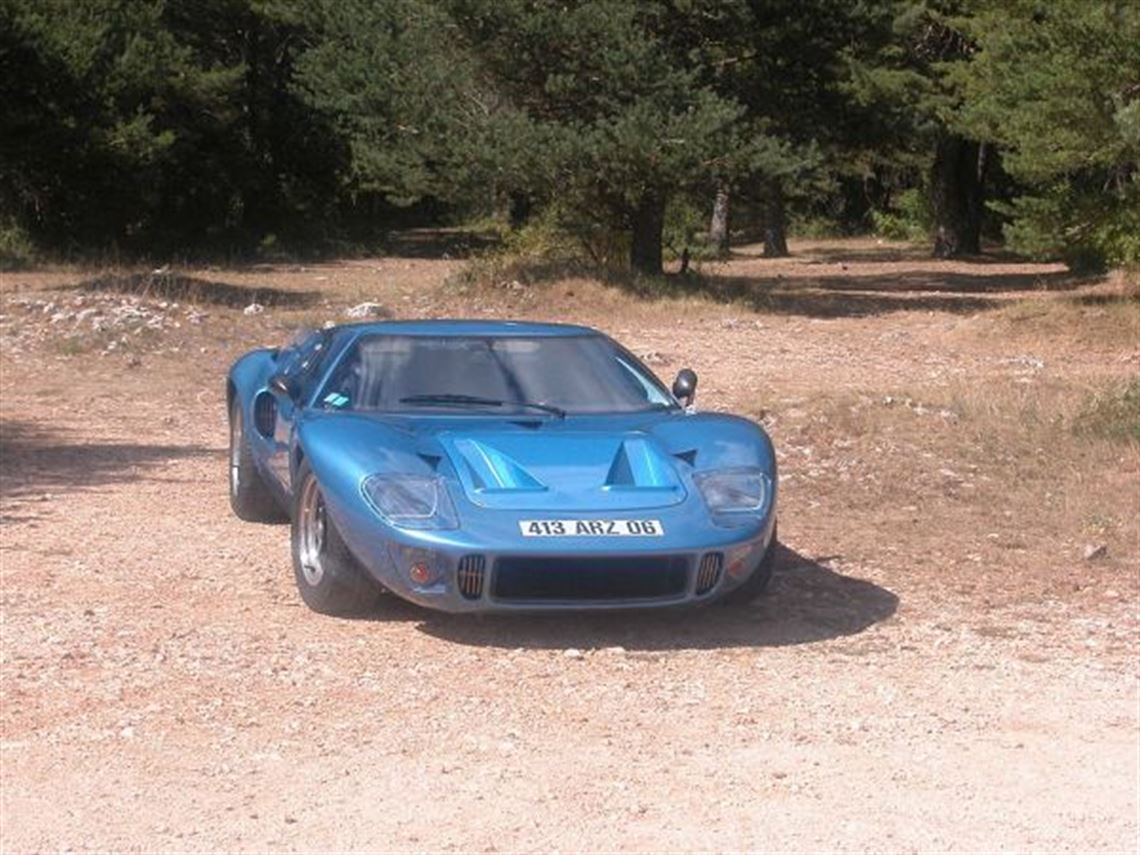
(647, 389)
(303, 358)
(344, 387)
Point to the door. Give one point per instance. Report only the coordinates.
(297, 366)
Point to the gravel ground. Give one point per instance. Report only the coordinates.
(927, 672)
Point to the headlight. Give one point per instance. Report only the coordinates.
(411, 501)
(729, 491)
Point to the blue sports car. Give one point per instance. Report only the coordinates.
(496, 466)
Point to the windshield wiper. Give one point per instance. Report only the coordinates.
(476, 401)
(534, 405)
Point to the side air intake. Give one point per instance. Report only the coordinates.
(470, 576)
(708, 573)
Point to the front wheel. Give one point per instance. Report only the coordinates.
(329, 578)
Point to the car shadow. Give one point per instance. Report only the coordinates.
(806, 602)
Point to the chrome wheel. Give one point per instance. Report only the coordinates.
(312, 527)
(235, 451)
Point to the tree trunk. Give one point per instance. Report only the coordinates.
(957, 196)
(518, 212)
(648, 226)
(718, 228)
(775, 227)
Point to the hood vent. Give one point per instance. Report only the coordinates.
(636, 465)
(689, 456)
(431, 460)
(562, 470)
(493, 471)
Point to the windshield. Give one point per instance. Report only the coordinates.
(555, 375)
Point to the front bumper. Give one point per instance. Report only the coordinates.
(558, 574)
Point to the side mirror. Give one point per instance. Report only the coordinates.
(685, 386)
(283, 384)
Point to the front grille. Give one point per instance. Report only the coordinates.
(585, 579)
(470, 575)
(708, 573)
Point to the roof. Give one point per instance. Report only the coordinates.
(498, 329)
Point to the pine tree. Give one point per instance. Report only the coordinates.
(389, 80)
(1057, 86)
(614, 123)
(905, 80)
(158, 127)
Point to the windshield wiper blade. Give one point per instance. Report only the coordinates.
(472, 400)
(445, 400)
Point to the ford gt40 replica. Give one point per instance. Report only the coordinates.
(496, 466)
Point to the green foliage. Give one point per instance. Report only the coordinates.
(1056, 85)
(686, 221)
(272, 126)
(910, 218)
(153, 126)
(814, 227)
(595, 85)
(391, 87)
(547, 247)
(16, 249)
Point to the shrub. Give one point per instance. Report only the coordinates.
(910, 218)
(16, 248)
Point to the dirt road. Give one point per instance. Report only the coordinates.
(937, 665)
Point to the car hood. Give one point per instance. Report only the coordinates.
(587, 465)
(563, 470)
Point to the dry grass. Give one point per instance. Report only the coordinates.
(1106, 314)
(1112, 413)
(998, 485)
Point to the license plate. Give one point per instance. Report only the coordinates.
(591, 528)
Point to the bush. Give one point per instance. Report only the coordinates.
(686, 227)
(542, 249)
(1118, 236)
(910, 218)
(815, 227)
(16, 248)
(1090, 232)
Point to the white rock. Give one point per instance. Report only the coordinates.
(572, 653)
(364, 310)
(1093, 551)
(253, 309)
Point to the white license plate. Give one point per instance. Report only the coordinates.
(591, 528)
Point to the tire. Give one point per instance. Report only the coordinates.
(757, 583)
(329, 578)
(250, 497)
